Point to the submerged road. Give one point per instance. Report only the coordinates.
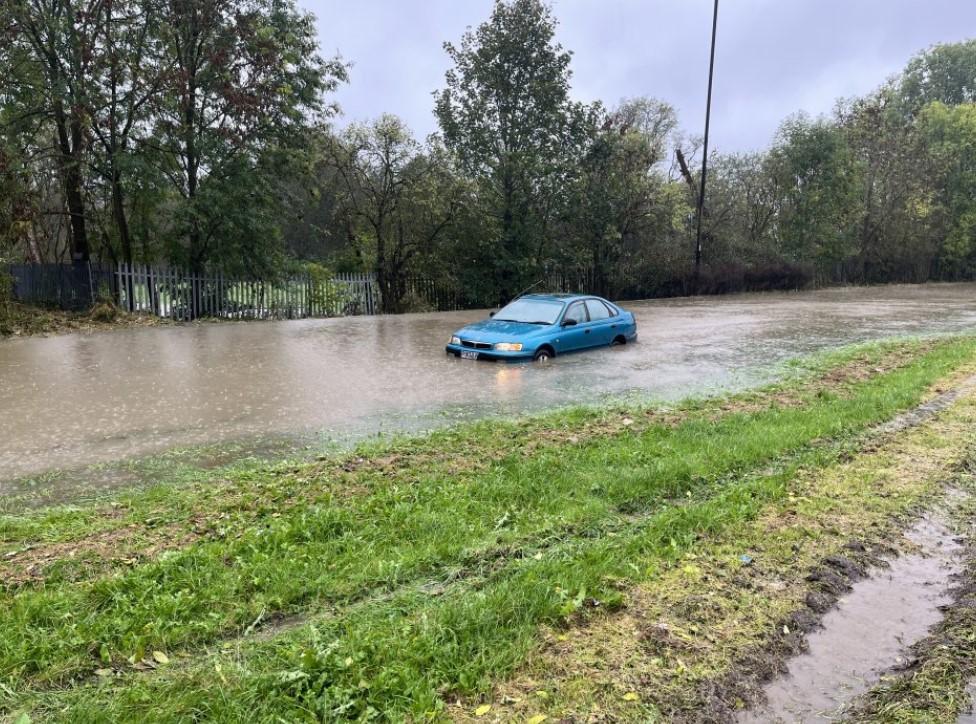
(81, 399)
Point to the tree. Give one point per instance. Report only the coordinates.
(944, 73)
(127, 74)
(744, 196)
(820, 184)
(403, 196)
(891, 236)
(49, 56)
(617, 198)
(246, 81)
(951, 140)
(506, 114)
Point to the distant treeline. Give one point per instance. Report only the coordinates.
(199, 133)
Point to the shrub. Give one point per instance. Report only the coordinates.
(104, 312)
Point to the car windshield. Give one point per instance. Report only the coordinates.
(531, 311)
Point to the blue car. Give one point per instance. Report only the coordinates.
(541, 326)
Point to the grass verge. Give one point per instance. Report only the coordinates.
(22, 320)
(424, 571)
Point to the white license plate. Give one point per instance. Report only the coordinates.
(466, 354)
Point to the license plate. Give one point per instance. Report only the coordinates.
(466, 354)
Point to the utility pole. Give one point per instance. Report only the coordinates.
(708, 114)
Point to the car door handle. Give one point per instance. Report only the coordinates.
(586, 331)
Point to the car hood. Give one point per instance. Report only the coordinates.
(496, 331)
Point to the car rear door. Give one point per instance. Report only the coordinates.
(600, 323)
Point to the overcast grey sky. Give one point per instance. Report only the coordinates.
(774, 57)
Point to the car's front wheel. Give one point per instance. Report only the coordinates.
(543, 354)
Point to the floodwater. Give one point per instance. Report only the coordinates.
(868, 632)
(81, 399)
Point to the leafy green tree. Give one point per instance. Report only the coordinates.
(944, 73)
(820, 182)
(745, 197)
(506, 113)
(246, 80)
(48, 53)
(951, 137)
(617, 198)
(126, 76)
(15, 201)
(891, 236)
(401, 195)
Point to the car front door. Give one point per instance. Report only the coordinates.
(600, 321)
(574, 336)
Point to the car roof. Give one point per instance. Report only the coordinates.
(557, 296)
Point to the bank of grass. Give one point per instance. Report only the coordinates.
(696, 640)
(23, 320)
(415, 572)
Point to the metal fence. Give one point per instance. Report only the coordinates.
(178, 294)
(73, 287)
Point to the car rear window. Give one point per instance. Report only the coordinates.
(598, 310)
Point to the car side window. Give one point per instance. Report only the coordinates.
(598, 310)
(576, 311)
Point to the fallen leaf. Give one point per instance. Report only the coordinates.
(482, 710)
(103, 672)
(160, 658)
(631, 696)
(537, 719)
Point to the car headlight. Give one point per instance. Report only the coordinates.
(455, 340)
(509, 347)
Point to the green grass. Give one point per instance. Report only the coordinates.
(421, 583)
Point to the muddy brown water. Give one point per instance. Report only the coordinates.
(868, 632)
(81, 399)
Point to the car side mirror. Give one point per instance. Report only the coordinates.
(491, 314)
(570, 323)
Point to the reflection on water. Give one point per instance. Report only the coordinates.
(508, 380)
(85, 398)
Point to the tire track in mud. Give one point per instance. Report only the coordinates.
(872, 629)
(929, 683)
(867, 630)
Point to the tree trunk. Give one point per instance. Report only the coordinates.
(70, 147)
(121, 220)
(506, 279)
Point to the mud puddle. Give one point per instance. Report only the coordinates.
(868, 631)
(968, 715)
